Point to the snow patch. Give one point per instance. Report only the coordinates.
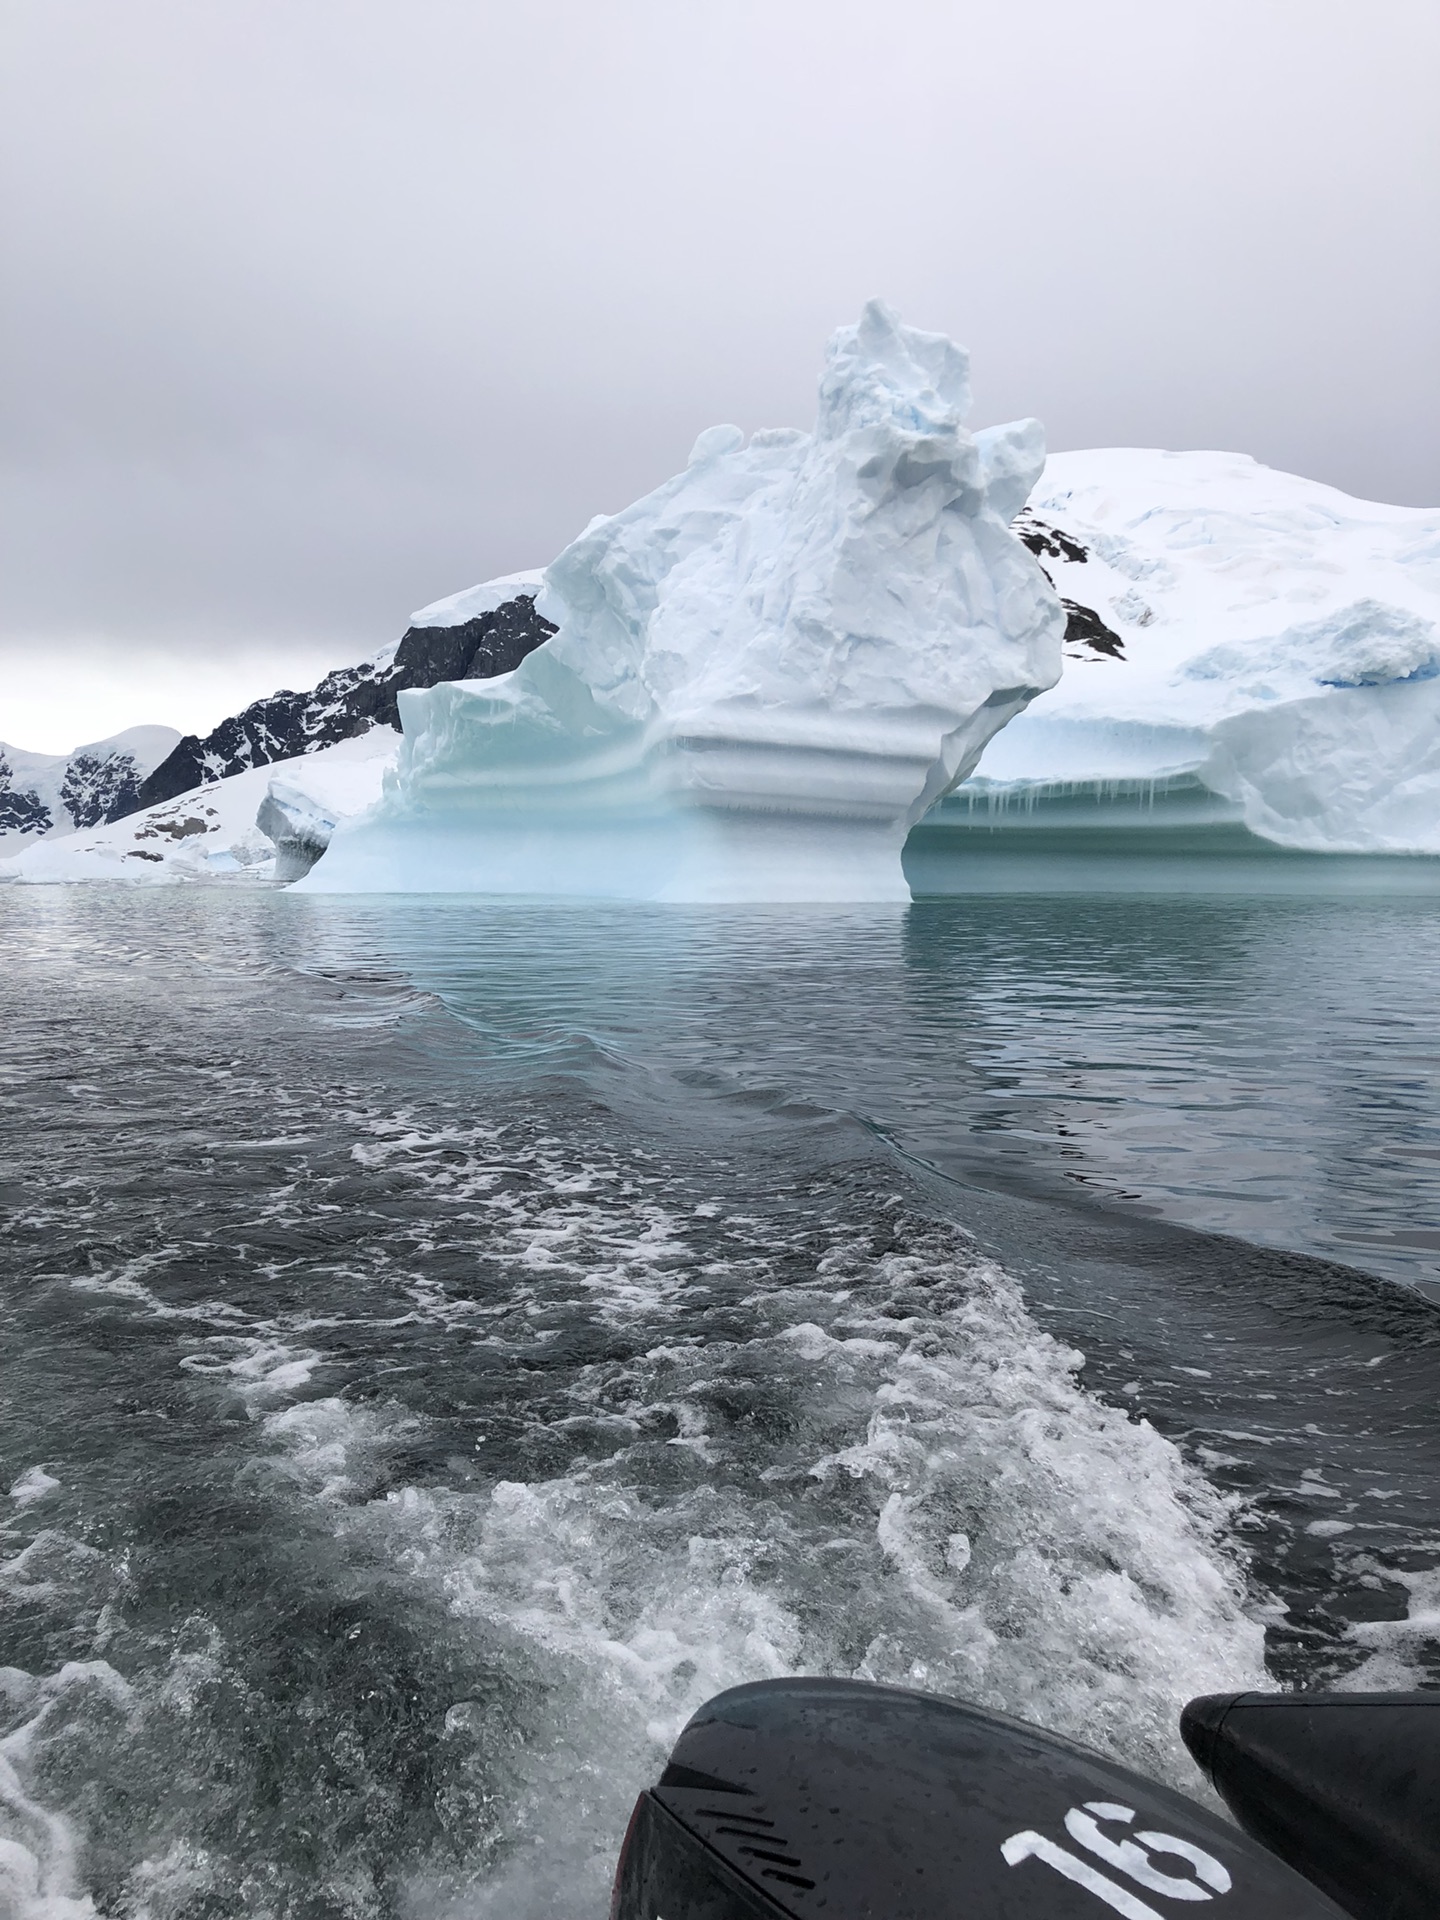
(457, 608)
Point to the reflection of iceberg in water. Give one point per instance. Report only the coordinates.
(765, 673)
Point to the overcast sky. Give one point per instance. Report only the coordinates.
(316, 310)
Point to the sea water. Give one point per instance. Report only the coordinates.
(446, 1342)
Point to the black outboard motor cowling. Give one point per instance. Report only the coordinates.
(1345, 1786)
(838, 1800)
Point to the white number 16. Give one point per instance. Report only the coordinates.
(1132, 1857)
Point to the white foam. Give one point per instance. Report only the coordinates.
(839, 1444)
(1394, 1648)
(40, 1847)
(32, 1485)
(975, 1522)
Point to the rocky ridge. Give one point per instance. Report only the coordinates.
(349, 701)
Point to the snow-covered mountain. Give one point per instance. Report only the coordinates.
(1247, 650)
(49, 793)
(264, 823)
(467, 637)
(263, 793)
(487, 630)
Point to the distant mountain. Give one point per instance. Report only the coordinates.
(258, 827)
(50, 793)
(472, 636)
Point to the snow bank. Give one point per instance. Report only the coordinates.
(458, 609)
(765, 672)
(1267, 652)
(212, 834)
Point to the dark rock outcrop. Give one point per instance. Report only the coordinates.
(349, 701)
(1047, 542)
(21, 811)
(98, 788)
(1086, 635)
(95, 785)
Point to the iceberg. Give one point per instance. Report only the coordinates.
(1252, 664)
(764, 672)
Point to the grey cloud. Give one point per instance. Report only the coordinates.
(319, 312)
